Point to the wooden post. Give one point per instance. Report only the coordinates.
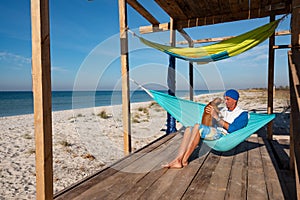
(295, 119)
(171, 121)
(295, 41)
(191, 68)
(41, 81)
(125, 76)
(191, 76)
(271, 80)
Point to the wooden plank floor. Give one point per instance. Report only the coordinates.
(250, 171)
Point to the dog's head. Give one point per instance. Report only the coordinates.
(217, 101)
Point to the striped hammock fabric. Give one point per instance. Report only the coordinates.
(220, 50)
(188, 113)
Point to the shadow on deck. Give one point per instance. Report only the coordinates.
(256, 169)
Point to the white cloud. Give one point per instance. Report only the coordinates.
(14, 58)
(253, 56)
(58, 69)
(255, 53)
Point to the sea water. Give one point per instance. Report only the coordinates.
(19, 103)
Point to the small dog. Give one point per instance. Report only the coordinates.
(207, 118)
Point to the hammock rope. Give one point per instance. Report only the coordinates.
(218, 51)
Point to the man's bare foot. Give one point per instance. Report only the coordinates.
(175, 164)
(184, 164)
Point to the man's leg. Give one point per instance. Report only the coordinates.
(194, 141)
(177, 162)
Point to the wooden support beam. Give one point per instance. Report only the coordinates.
(191, 80)
(295, 102)
(193, 23)
(125, 76)
(41, 82)
(229, 17)
(186, 36)
(140, 9)
(191, 67)
(285, 32)
(271, 79)
(152, 29)
(218, 39)
(282, 46)
(171, 81)
(295, 121)
(206, 40)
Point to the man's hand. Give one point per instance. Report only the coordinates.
(210, 109)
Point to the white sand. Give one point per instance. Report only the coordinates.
(84, 143)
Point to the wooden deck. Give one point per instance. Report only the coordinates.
(250, 171)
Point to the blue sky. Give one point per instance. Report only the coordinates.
(85, 49)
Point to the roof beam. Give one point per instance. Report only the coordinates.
(186, 36)
(152, 28)
(243, 15)
(140, 9)
(189, 23)
(279, 33)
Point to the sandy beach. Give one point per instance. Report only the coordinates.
(88, 140)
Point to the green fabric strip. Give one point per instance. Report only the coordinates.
(230, 47)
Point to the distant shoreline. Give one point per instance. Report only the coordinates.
(21, 103)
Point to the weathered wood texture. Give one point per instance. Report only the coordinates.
(271, 63)
(295, 117)
(41, 82)
(125, 76)
(249, 171)
(198, 13)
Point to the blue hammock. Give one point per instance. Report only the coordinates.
(189, 113)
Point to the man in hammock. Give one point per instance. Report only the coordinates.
(232, 118)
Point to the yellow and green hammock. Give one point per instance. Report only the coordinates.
(221, 50)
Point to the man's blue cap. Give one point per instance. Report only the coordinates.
(232, 94)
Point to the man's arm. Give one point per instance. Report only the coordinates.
(214, 114)
(240, 122)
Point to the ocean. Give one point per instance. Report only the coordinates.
(18, 103)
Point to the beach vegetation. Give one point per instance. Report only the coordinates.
(80, 115)
(88, 156)
(156, 106)
(102, 164)
(144, 110)
(153, 103)
(82, 168)
(27, 136)
(31, 151)
(55, 179)
(103, 114)
(135, 120)
(65, 143)
(158, 109)
(72, 119)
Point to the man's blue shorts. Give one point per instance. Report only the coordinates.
(210, 133)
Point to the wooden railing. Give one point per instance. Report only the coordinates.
(294, 67)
